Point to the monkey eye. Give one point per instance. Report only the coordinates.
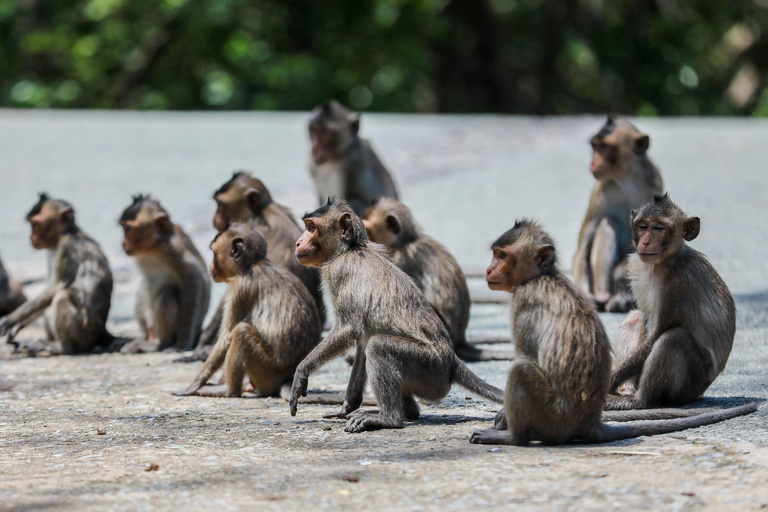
(642, 225)
(502, 255)
(658, 227)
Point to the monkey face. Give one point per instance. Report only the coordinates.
(228, 253)
(658, 238)
(325, 140)
(604, 158)
(500, 272)
(310, 249)
(144, 232)
(513, 265)
(47, 225)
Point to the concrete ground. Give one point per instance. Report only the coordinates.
(104, 432)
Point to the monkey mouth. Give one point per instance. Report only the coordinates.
(648, 253)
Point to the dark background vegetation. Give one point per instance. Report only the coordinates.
(663, 57)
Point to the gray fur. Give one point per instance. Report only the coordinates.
(11, 293)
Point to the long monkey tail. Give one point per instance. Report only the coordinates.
(654, 414)
(464, 377)
(607, 433)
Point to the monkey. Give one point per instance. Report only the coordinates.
(626, 179)
(11, 293)
(402, 348)
(244, 198)
(270, 321)
(557, 387)
(175, 290)
(342, 164)
(678, 340)
(437, 274)
(76, 301)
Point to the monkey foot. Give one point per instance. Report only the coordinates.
(500, 421)
(215, 391)
(360, 421)
(492, 436)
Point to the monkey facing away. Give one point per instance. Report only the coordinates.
(402, 348)
(626, 179)
(431, 266)
(11, 293)
(342, 164)
(245, 199)
(270, 319)
(175, 290)
(678, 340)
(557, 388)
(76, 301)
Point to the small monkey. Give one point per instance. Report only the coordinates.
(270, 320)
(431, 266)
(342, 164)
(76, 302)
(245, 199)
(678, 340)
(402, 348)
(557, 388)
(173, 297)
(11, 293)
(626, 179)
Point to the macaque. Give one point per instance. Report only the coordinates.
(678, 340)
(11, 293)
(270, 321)
(245, 199)
(431, 266)
(626, 179)
(402, 348)
(175, 290)
(76, 301)
(557, 387)
(344, 165)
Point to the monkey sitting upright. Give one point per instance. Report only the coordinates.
(431, 266)
(678, 340)
(403, 349)
(271, 321)
(556, 389)
(626, 179)
(342, 164)
(77, 298)
(11, 293)
(173, 297)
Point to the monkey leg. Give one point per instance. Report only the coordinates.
(165, 316)
(411, 408)
(674, 374)
(356, 386)
(250, 355)
(621, 299)
(77, 333)
(627, 343)
(603, 258)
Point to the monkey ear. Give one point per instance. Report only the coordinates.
(691, 228)
(632, 215)
(67, 216)
(237, 248)
(345, 225)
(545, 256)
(642, 142)
(393, 225)
(254, 199)
(163, 223)
(354, 123)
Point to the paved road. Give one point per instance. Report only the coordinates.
(467, 179)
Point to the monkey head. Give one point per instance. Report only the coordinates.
(332, 128)
(389, 222)
(615, 147)
(235, 250)
(240, 199)
(328, 231)
(523, 253)
(48, 220)
(145, 223)
(660, 229)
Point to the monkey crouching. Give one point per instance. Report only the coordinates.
(270, 319)
(557, 388)
(76, 301)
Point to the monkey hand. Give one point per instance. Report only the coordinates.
(191, 390)
(299, 388)
(345, 410)
(500, 421)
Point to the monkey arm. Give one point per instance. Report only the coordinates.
(355, 388)
(580, 275)
(189, 310)
(212, 364)
(211, 331)
(28, 311)
(633, 365)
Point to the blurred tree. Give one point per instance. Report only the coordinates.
(678, 57)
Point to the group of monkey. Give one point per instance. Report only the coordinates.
(401, 303)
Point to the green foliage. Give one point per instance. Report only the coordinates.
(680, 57)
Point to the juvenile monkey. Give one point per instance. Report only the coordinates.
(431, 266)
(245, 199)
(270, 320)
(557, 387)
(678, 340)
(11, 293)
(173, 297)
(78, 296)
(342, 164)
(626, 179)
(403, 349)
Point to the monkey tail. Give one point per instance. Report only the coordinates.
(467, 352)
(607, 433)
(464, 377)
(654, 414)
